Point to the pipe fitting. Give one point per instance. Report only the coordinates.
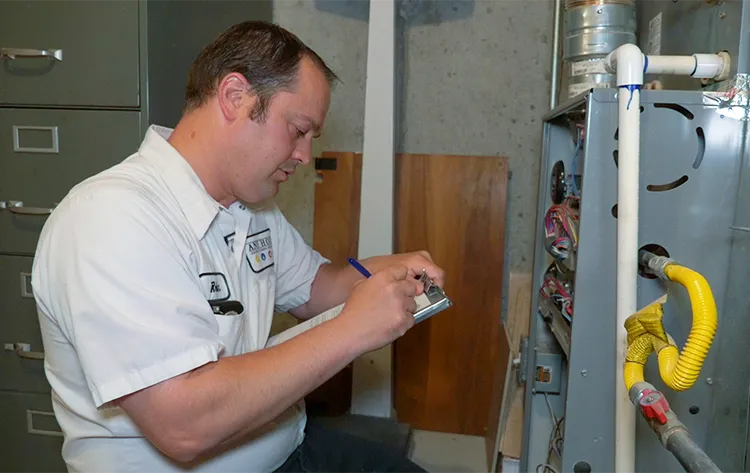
(627, 62)
(638, 390)
(707, 66)
(672, 433)
(655, 264)
(726, 66)
(656, 411)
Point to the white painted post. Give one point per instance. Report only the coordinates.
(372, 379)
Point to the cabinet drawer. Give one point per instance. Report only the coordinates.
(19, 323)
(43, 153)
(93, 48)
(29, 434)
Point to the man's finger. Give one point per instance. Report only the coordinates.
(411, 306)
(426, 255)
(399, 272)
(412, 287)
(436, 274)
(419, 263)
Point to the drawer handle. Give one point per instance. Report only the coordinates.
(17, 207)
(26, 289)
(23, 350)
(17, 53)
(54, 147)
(33, 430)
(31, 355)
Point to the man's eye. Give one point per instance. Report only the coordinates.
(300, 133)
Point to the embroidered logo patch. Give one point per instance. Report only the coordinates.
(259, 251)
(215, 286)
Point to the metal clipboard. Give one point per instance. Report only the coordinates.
(432, 301)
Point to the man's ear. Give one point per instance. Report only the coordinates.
(233, 96)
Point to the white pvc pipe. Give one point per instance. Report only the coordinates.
(372, 386)
(675, 65)
(710, 66)
(700, 66)
(628, 61)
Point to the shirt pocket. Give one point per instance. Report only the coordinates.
(263, 292)
(231, 331)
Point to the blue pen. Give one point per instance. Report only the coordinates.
(359, 267)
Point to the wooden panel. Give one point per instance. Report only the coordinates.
(337, 198)
(517, 324)
(454, 207)
(519, 308)
(335, 236)
(500, 392)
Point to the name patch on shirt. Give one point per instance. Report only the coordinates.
(259, 251)
(215, 286)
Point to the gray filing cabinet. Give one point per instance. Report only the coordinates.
(80, 82)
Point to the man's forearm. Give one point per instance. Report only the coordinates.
(224, 401)
(331, 287)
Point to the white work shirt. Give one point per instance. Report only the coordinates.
(125, 275)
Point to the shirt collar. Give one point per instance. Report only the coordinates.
(199, 207)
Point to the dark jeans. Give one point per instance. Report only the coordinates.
(325, 450)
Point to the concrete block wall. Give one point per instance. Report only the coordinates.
(475, 81)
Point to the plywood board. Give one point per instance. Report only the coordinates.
(500, 391)
(445, 368)
(517, 325)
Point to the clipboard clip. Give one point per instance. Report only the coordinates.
(435, 297)
(430, 288)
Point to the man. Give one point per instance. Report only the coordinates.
(157, 281)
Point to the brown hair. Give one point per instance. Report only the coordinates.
(266, 54)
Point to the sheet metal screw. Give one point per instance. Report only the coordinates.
(584, 372)
(709, 381)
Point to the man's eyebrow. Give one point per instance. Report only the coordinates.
(314, 125)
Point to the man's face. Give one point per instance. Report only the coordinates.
(266, 154)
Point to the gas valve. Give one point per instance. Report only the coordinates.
(654, 406)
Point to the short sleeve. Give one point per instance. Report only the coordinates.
(297, 265)
(115, 276)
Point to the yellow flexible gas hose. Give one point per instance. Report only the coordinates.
(646, 334)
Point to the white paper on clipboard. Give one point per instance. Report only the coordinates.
(422, 302)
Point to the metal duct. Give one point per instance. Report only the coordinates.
(593, 29)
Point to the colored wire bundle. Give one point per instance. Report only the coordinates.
(561, 236)
(553, 289)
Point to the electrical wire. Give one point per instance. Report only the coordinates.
(555, 434)
(551, 411)
(555, 444)
(545, 468)
(560, 231)
(556, 440)
(553, 289)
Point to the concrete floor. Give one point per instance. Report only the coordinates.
(448, 453)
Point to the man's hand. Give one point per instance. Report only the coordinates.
(415, 262)
(334, 282)
(381, 308)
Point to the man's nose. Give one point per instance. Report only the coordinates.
(303, 153)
